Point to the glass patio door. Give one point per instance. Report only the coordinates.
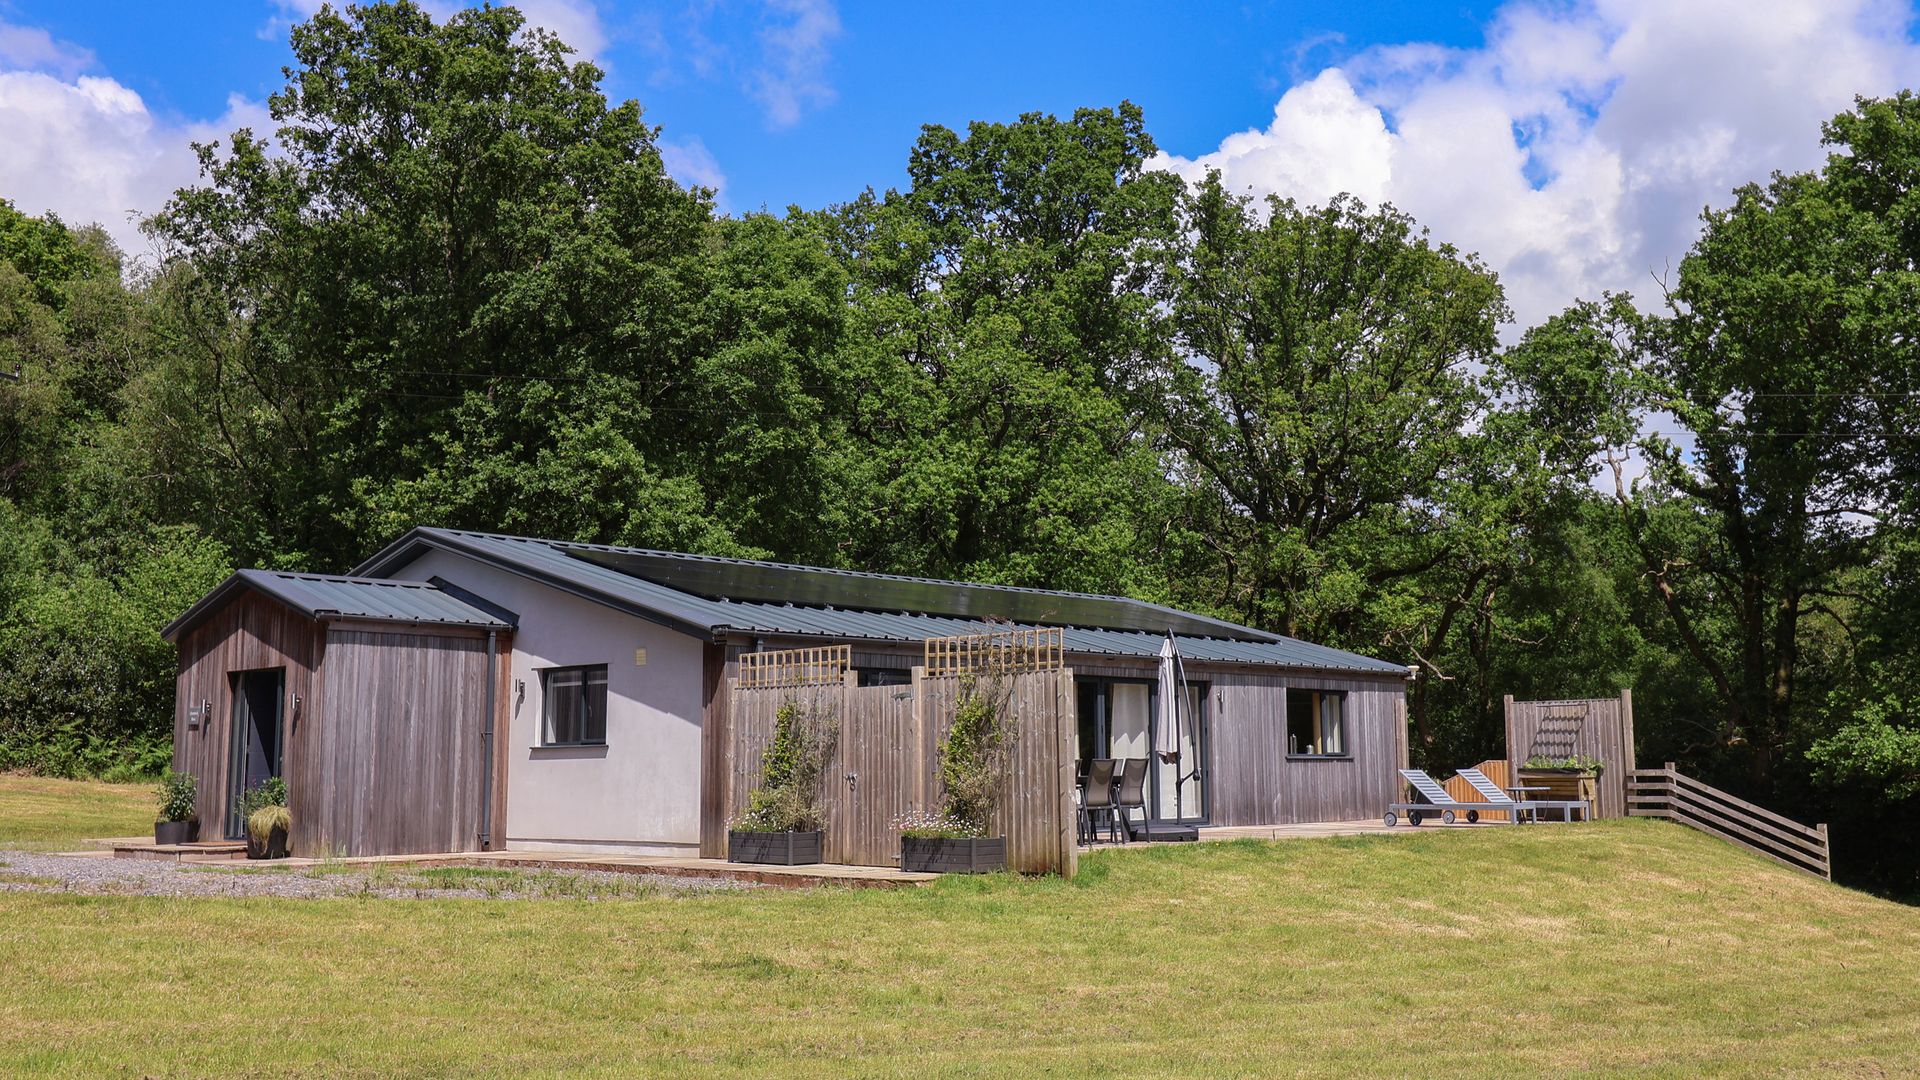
(1118, 719)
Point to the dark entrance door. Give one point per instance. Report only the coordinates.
(258, 736)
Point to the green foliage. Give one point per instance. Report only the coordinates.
(792, 772)
(177, 793)
(262, 822)
(973, 755)
(1570, 763)
(269, 792)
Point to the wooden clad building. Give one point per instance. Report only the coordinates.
(613, 676)
(369, 698)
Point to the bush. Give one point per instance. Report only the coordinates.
(973, 756)
(267, 793)
(1576, 762)
(792, 773)
(86, 680)
(922, 825)
(177, 791)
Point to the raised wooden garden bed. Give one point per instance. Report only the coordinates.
(971, 855)
(777, 848)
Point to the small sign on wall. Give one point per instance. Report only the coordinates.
(639, 658)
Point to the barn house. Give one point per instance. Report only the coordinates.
(467, 691)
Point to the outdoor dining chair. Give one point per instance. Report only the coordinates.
(1096, 799)
(1132, 793)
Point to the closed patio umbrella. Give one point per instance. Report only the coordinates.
(1166, 734)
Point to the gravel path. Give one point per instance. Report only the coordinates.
(22, 871)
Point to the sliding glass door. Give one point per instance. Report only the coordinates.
(1119, 718)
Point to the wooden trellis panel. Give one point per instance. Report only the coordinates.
(826, 665)
(1592, 727)
(997, 652)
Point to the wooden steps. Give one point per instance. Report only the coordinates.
(198, 850)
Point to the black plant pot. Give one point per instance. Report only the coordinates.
(176, 832)
(274, 847)
(942, 855)
(777, 848)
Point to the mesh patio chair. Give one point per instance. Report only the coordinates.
(1096, 799)
(1132, 793)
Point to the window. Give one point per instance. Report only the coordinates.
(879, 676)
(1316, 723)
(576, 708)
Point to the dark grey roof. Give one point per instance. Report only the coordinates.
(708, 596)
(320, 596)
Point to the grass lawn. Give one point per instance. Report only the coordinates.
(1620, 947)
(41, 814)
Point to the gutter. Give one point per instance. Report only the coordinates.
(486, 748)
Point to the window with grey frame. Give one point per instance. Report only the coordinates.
(1317, 724)
(575, 712)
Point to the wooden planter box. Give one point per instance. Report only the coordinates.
(777, 848)
(1562, 784)
(972, 855)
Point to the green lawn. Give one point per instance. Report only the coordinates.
(41, 814)
(1622, 947)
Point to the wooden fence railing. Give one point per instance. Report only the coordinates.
(1665, 793)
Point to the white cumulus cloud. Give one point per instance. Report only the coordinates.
(1576, 148)
(791, 76)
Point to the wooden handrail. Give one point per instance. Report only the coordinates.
(1667, 793)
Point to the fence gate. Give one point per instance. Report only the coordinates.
(1592, 727)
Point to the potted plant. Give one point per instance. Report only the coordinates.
(268, 794)
(179, 822)
(1570, 777)
(267, 832)
(782, 821)
(972, 759)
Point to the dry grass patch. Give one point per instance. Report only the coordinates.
(39, 813)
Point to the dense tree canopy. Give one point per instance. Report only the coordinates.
(455, 285)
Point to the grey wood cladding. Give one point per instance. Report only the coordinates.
(1591, 727)
(384, 726)
(885, 762)
(1252, 780)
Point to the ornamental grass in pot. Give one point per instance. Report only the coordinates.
(782, 822)
(973, 761)
(178, 822)
(269, 839)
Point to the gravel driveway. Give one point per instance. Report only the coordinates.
(22, 871)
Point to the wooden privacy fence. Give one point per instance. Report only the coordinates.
(886, 760)
(1461, 791)
(1591, 727)
(1665, 793)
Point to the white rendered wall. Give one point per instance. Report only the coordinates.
(640, 793)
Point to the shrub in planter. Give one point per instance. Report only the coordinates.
(268, 794)
(973, 759)
(1563, 777)
(781, 823)
(267, 832)
(178, 822)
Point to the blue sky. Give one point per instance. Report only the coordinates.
(890, 68)
(1570, 143)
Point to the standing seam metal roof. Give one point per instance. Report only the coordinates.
(549, 561)
(320, 596)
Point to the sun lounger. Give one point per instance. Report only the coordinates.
(1440, 803)
(1533, 807)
